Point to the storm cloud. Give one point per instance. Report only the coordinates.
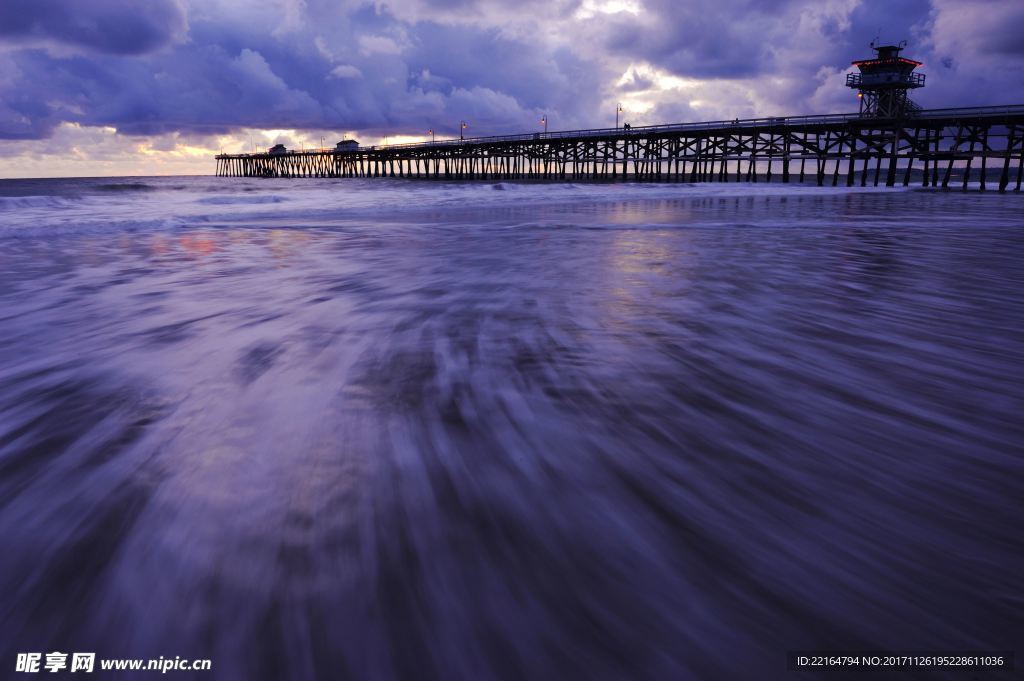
(398, 67)
(123, 27)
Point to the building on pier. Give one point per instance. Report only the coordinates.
(882, 82)
(347, 145)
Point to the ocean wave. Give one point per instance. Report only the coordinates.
(662, 426)
(75, 227)
(233, 200)
(126, 187)
(22, 202)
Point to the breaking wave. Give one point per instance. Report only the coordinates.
(14, 203)
(128, 187)
(241, 200)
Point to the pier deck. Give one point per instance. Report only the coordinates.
(936, 147)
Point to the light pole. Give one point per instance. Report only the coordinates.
(544, 120)
(431, 133)
(321, 142)
(462, 126)
(618, 110)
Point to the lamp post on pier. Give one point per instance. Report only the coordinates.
(544, 120)
(462, 126)
(618, 110)
(431, 133)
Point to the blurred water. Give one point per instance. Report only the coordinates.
(388, 430)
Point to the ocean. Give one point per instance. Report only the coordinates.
(385, 429)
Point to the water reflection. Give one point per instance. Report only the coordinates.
(581, 440)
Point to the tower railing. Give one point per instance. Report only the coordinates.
(897, 79)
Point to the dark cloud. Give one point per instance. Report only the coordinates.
(232, 75)
(699, 39)
(407, 65)
(123, 27)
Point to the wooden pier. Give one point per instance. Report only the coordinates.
(933, 147)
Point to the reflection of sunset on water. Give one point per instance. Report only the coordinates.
(489, 416)
(198, 245)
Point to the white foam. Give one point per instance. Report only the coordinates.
(89, 206)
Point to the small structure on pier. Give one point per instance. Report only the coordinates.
(277, 149)
(883, 82)
(347, 145)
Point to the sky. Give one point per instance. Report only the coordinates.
(157, 87)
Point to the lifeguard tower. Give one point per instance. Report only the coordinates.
(883, 82)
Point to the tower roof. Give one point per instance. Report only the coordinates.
(887, 55)
(887, 62)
